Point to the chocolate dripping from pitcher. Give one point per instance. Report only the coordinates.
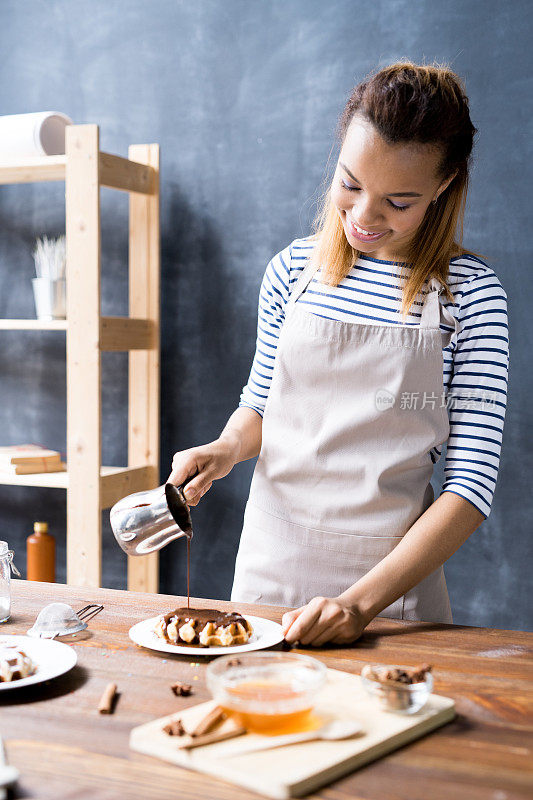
(179, 509)
(188, 572)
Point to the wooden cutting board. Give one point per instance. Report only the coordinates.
(299, 769)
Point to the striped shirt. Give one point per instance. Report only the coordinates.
(476, 361)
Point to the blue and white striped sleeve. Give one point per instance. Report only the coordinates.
(477, 395)
(273, 297)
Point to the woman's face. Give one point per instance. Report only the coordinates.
(383, 189)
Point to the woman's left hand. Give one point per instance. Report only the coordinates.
(322, 620)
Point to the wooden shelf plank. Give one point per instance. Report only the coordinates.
(116, 485)
(116, 333)
(33, 325)
(52, 480)
(59, 480)
(127, 333)
(116, 172)
(129, 176)
(33, 170)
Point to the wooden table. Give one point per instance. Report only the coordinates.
(65, 749)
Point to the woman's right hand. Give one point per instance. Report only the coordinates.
(207, 463)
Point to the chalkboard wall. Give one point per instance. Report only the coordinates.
(243, 98)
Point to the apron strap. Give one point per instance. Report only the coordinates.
(302, 283)
(433, 312)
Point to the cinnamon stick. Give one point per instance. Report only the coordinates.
(189, 743)
(107, 701)
(208, 722)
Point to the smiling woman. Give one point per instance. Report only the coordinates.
(405, 132)
(362, 143)
(361, 374)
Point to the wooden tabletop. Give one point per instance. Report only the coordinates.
(65, 749)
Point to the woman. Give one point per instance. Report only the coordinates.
(366, 364)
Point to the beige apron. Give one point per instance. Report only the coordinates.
(344, 470)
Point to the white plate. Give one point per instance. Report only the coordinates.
(52, 659)
(266, 633)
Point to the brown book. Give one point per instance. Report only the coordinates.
(31, 469)
(28, 454)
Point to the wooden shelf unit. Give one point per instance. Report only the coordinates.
(91, 487)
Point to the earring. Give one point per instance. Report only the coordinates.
(435, 200)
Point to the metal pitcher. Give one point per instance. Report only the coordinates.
(147, 521)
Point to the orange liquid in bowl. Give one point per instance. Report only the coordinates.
(277, 721)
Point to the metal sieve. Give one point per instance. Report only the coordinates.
(60, 619)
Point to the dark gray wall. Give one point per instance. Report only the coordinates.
(243, 98)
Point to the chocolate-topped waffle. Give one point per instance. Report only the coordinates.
(15, 664)
(203, 627)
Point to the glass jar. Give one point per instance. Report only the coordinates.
(6, 566)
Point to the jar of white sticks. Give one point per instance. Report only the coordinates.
(6, 566)
(50, 286)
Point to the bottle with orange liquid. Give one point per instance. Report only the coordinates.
(40, 554)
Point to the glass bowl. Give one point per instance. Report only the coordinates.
(268, 693)
(402, 698)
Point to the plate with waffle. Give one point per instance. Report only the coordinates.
(24, 661)
(205, 632)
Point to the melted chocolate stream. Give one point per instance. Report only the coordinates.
(180, 511)
(188, 572)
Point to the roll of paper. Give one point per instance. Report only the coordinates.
(41, 133)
